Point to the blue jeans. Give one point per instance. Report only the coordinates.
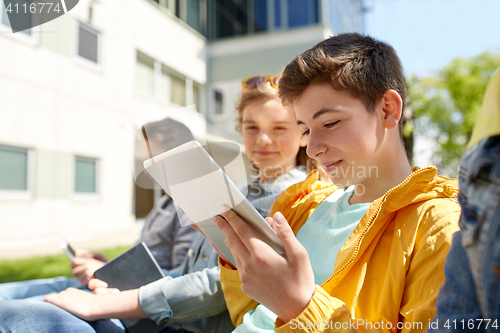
(37, 289)
(470, 298)
(28, 316)
(22, 309)
(24, 316)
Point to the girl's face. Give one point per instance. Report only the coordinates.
(271, 136)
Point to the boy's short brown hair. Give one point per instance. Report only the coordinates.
(361, 65)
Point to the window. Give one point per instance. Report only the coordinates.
(28, 36)
(218, 102)
(21, 20)
(231, 18)
(16, 172)
(277, 13)
(173, 87)
(4, 19)
(302, 12)
(13, 168)
(85, 175)
(178, 88)
(241, 17)
(260, 8)
(197, 97)
(158, 81)
(88, 42)
(177, 8)
(193, 14)
(144, 74)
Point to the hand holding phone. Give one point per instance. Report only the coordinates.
(68, 249)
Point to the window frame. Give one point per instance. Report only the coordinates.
(155, 83)
(28, 193)
(218, 91)
(97, 66)
(160, 69)
(86, 196)
(175, 76)
(5, 30)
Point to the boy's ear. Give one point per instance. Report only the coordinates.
(392, 108)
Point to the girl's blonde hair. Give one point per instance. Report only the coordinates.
(267, 92)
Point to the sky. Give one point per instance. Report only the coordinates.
(428, 34)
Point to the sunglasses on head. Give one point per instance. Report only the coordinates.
(254, 82)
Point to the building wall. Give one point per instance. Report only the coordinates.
(243, 51)
(231, 60)
(60, 105)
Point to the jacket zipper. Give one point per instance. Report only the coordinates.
(372, 218)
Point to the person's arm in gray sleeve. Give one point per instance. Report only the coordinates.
(183, 237)
(187, 298)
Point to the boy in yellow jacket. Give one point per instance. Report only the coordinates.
(365, 257)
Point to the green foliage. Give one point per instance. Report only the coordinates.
(445, 106)
(44, 267)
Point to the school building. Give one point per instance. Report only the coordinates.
(75, 90)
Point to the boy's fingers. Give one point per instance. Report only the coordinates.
(78, 261)
(246, 234)
(237, 225)
(233, 240)
(105, 291)
(293, 248)
(96, 283)
(77, 270)
(83, 253)
(195, 226)
(51, 298)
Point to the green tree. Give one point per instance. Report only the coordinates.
(445, 106)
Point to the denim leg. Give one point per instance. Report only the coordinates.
(492, 268)
(26, 316)
(457, 297)
(470, 296)
(22, 316)
(107, 326)
(37, 289)
(480, 221)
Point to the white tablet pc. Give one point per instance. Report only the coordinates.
(200, 187)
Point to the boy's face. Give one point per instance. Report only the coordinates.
(342, 134)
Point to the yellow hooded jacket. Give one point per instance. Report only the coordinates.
(388, 274)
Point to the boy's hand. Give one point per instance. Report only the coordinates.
(83, 268)
(101, 288)
(223, 257)
(78, 302)
(89, 254)
(90, 307)
(284, 284)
